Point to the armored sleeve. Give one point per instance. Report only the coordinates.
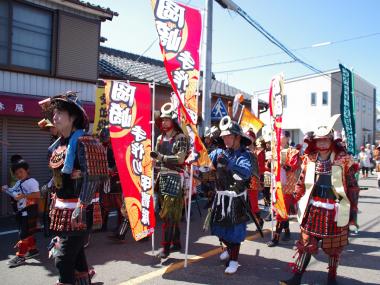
(180, 150)
(352, 192)
(243, 166)
(299, 189)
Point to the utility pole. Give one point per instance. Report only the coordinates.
(207, 60)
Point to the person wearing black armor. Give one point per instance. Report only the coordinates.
(75, 183)
(234, 168)
(170, 153)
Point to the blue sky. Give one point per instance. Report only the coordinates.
(295, 23)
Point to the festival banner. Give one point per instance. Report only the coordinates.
(130, 131)
(101, 109)
(179, 29)
(250, 121)
(347, 108)
(276, 105)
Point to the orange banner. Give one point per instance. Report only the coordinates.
(130, 131)
(250, 121)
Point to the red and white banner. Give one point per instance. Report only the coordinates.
(276, 106)
(179, 28)
(130, 130)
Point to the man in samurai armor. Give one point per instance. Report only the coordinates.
(255, 186)
(290, 170)
(234, 168)
(26, 193)
(327, 194)
(111, 198)
(170, 153)
(79, 168)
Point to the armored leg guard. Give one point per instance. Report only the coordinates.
(82, 278)
(285, 226)
(176, 242)
(276, 235)
(333, 265)
(167, 237)
(23, 247)
(234, 251)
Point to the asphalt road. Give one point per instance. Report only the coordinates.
(132, 262)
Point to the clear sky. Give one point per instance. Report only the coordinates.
(296, 23)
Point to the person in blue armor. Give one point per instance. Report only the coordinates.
(234, 168)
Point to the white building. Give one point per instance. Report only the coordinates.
(311, 99)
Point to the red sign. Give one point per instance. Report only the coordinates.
(27, 106)
(130, 130)
(179, 29)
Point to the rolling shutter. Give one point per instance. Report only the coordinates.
(26, 139)
(78, 47)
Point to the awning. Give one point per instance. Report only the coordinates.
(19, 105)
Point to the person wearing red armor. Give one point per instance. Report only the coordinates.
(290, 163)
(255, 185)
(327, 194)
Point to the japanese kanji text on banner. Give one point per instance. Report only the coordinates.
(130, 131)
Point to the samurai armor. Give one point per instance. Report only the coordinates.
(321, 223)
(170, 184)
(96, 217)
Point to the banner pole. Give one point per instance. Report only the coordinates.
(188, 215)
(153, 87)
(273, 179)
(241, 114)
(191, 169)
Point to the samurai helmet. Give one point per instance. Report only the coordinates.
(168, 110)
(229, 127)
(326, 130)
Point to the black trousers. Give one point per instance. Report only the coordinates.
(71, 259)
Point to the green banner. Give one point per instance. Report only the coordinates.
(347, 108)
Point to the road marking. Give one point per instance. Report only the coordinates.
(8, 232)
(180, 264)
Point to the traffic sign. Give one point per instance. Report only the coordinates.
(219, 110)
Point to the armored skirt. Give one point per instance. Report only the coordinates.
(171, 197)
(228, 217)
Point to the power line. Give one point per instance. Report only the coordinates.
(144, 52)
(228, 4)
(300, 48)
(255, 67)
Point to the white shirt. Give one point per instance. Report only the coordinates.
(28, 186)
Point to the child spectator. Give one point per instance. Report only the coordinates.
(26, 192)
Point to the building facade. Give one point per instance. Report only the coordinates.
(310, 100)
(47, 47)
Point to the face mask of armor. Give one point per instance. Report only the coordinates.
(324, 145)
(167, 126)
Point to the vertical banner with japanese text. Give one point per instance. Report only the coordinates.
(276, 105)
(101, 109)
(179, 29)
(347, 108)
(130, 131)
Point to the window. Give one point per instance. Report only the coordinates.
(285, 101)
(325, 98)
(313, 98)
(4, 17)
(31, 40)
(363, 105)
